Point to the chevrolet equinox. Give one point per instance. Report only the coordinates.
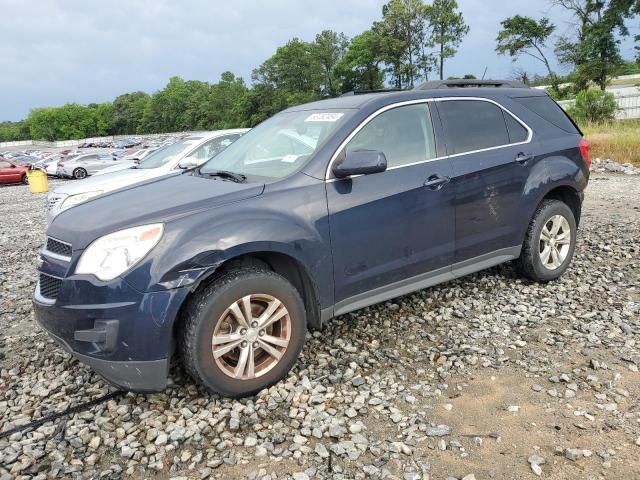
(323, 209)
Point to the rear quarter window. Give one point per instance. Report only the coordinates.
(545, 107)
(517, 133)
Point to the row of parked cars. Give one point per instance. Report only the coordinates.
(82, 162)
(225, 247)
(110, 174)
(14, 164)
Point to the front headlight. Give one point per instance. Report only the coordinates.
(74, 200)
(114, 254)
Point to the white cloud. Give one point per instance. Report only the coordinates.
(57, 51)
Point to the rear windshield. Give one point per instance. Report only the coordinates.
(546, 108)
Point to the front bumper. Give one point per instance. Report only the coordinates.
(126, 336)
(138, 376)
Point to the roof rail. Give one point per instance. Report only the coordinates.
(364, 92)
(470, 83)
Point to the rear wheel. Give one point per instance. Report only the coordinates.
(243, 332)
(24, 180)
(79, 173)
(550, 242)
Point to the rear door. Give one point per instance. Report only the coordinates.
(89, 163)
(104, 161)
(393, 231)
(491, 155)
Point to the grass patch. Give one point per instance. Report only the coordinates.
(618, 140)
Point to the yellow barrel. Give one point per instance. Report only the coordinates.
(37, 180)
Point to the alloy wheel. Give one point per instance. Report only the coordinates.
(555, 242)
(251, 336)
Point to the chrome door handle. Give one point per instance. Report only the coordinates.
(436, 182)
(523, 158)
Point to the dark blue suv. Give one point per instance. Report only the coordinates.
(321, 210)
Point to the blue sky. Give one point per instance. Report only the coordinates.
(58, 51)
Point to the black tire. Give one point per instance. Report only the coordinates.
(530, 263)
(204, 312)
(24, 180)
(79, 173)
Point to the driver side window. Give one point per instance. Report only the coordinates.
(403, 134)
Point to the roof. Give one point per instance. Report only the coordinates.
(217, 133)
(470, 83)
(385, 98)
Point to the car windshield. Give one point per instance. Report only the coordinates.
(277, 147)
(169, 153)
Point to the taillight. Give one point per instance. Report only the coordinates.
(585, 150)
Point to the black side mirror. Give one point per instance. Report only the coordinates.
(362, 162)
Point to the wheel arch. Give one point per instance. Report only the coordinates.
(566, 190)
(284, 264)
(569, 195)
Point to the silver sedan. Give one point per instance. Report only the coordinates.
(84, 165)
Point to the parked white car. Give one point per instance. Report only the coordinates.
(83, 165)
(51, 166)
(191, 151)
(140, 155)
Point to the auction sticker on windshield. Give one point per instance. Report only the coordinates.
(324, 117)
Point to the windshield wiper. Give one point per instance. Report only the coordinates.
(233, 176)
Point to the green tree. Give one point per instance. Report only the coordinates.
(329, 48)
(295, 70)
(175, 108)
(359, 68)
(403, 33)
(526, 36)
(13, 131)
(594, 52)
(261, 102)
(223, 106)
(127, 112)
(448, 29)
(594, 106)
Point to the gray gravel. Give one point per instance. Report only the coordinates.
(490, 376)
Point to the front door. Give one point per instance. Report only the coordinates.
(392, 231)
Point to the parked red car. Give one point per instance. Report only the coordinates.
(12, 173)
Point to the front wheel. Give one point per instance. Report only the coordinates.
(24, 180)
(79, 173)
(243, 332)
(550, 242)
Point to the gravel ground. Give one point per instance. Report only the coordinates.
(489, 376)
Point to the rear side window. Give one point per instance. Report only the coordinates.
(472, 125)
(517, 133)
(545, 107)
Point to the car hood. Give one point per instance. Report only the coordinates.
(121, 165)
(110, 181)
(161, 200)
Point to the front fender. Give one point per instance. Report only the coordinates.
(195, 246)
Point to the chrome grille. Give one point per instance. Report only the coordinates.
(49, 286)
(58, 247)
